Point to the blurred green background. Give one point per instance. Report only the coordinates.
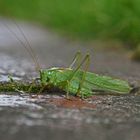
(83, 19)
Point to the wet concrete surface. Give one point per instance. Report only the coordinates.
(101, 117)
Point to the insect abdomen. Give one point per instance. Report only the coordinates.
(92, 82)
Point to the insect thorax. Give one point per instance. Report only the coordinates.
(49, 75)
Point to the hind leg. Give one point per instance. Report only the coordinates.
(85, 61)
(75, 59)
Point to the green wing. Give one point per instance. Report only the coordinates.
(94, 83)
(106, 84)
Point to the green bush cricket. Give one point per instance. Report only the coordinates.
(81, 82)
(75, 80)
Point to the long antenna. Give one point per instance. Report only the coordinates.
(26, 46)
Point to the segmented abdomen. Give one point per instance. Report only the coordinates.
(92, 82)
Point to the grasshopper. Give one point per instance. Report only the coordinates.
(76, 81)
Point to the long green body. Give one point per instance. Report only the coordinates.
(92, 83)
(69, 80)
